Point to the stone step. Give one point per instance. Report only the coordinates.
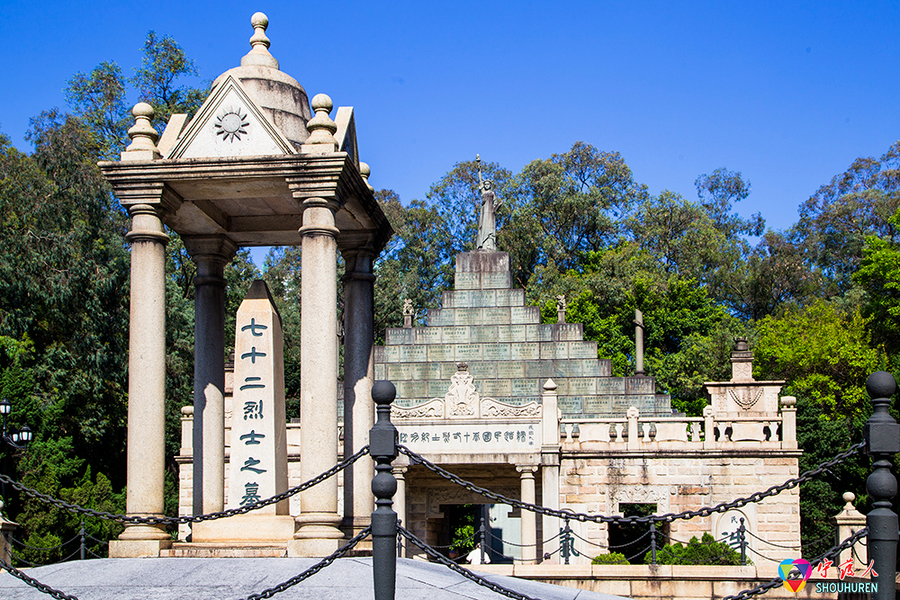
(192, 550)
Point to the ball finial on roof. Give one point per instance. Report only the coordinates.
(259, 53)
(321, 128)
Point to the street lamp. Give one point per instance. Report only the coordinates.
(17, 439)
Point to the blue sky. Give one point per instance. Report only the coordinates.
(788, 93)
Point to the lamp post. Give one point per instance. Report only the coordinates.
(17, 439)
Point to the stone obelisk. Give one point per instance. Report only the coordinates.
(258, 460)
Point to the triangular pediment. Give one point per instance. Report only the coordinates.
(230, 124)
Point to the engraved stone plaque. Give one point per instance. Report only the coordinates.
(496, 280)
(525, 351)
(583, 386)
(398, 336)
(552, 350)
(517, 333)
(399, 372)
(525, 387)
(468, 281)
(438, 389)
(597, 405)
(435, 317)
(386, 354)
(499, 316)
(440, 353)
(483, 370)
(620, 404)
(413, 353)
(491, 438)
(582, 349)
(569, 404)
(610, 385)
(468, 316)
(380, 372)
(524, 315)
(447, 371)
(468, 352)
(494, 388)
(431, 371)
(483, 334)
(497, 352)
(640, 385)
(564, 332)
(604, 366)
(428, 335)
(510, 370)
(455, 335)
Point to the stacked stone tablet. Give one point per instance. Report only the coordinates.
(484, 322)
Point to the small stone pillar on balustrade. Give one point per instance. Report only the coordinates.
(253, 167)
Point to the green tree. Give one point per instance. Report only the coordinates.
(835, 221)
(163, 63)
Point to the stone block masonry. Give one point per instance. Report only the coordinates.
(485, 323)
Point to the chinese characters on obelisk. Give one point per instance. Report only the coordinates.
(258, 460)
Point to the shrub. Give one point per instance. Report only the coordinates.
(613, 558)
(706, 551)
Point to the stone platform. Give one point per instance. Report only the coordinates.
(219, 579)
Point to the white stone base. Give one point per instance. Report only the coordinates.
(313, 547)
(244, 528)
(138, 548)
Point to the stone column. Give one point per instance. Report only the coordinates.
(359, 375)
(529, 519)
(146, 384)
(789, 422)
(210, 254)
(848, 522)
(400, 499)
(550, 462)
(318, 534)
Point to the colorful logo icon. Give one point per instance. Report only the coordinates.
(796, 566)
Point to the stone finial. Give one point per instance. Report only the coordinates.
(561, 309)
(365, 171)
(321, 128)
(741, 361)
(550, 385)
(143, 136)
(849, 497)
(259, 54)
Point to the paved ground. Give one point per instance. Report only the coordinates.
(233, 578)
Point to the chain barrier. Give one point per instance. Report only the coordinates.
(313, 569)
(706, 511)
(440, 558)
(44, 589)
(135, 520)
(834, 551)
(785, 547)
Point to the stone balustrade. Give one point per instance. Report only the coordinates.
(652, 433)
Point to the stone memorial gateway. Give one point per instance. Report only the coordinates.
(486, 389)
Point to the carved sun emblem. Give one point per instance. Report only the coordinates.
(231, 123)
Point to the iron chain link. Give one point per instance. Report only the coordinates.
(666, 518)
(834, 551)
(440, 558)
(136, 520)
(43, 588)
(313, 569)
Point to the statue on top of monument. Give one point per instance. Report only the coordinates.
(487, 225)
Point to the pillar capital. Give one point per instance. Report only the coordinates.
(215, 248)
(318, 217)
(146, 224)
(527, 470)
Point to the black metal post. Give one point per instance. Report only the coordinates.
(399, 541)
(882, 434)
(383, 449)
(653, 542)
(742, 539)
(81, 537)
(481, 536)
(566, 542)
